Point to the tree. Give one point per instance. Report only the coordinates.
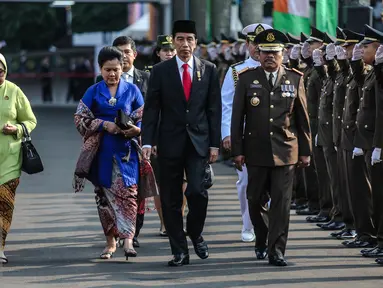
(220, 17)
(99, 17)
(27, 26)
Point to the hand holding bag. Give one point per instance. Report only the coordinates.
(32, 163)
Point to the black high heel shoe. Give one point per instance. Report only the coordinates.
(130, 253)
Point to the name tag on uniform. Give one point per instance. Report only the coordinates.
(287, 90)
(255, 85)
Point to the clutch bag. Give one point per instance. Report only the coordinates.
(123, 121)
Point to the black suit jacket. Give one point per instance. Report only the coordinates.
(140, 78)
(199, 118)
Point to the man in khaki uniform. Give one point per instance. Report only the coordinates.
(270, 133)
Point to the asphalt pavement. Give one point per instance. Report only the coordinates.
(56, 236)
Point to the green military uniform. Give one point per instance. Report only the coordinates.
(365, 132)
(316, 175)
(270, 128)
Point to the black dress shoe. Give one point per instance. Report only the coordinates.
(136, 244)
(374, 253)
(320, 225)
(379, 261)
(277, 260)
(317, 219)
(261, 253)
(307, 211)
(200, 248)
(179, 260)
(301, 206)
(358, 244)
(334, 226)
(293, 206)
(338, 233)
(348, 234)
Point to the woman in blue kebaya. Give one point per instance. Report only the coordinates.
(110, 156)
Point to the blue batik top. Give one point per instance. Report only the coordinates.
(128, 98)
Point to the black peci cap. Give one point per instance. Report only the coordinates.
(184, 26)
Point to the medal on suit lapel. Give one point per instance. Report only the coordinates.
(199, 75)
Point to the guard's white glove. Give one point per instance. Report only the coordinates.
(357, 53)
(357, 152)
(336, 148)
(318, 58)
(330, 51)
(379, 55)
(227, 54)
(242, 49)
(306, 50)
(295, 52)
(285, 59)
(316, 140)
(341, 53)
(376, 156)
(212, 51)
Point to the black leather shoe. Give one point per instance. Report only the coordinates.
(334, 226)
(277, 260)
(179, 260)
(374, 253)
(307, 211)
(348, 234)
(337, 233)
(200, 248)
(320, 225)
(261, 253)
(301, 206)
(358, 244)
(379, 261)
(317, 219)
(136, 244)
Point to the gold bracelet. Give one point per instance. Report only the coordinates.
(105, 125)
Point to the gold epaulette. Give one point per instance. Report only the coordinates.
(297, 71)
(243, 70)
(236, 64)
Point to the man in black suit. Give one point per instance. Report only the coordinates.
(140, 78)
(185, 91)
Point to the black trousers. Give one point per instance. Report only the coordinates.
(323, 181)
(377, 200)
(359, 187)
(171, 180)
(336, 182)
(299, 187)
(273, 223)
(139, 223)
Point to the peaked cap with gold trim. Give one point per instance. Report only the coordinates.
(271, 40)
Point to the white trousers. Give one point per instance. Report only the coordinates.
(241, 188)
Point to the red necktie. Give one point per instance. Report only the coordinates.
(186, 81)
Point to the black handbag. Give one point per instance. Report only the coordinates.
(123, 121)
(32, 163)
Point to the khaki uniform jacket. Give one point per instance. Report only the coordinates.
(276, 129)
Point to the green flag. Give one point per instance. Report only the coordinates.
(327, 16)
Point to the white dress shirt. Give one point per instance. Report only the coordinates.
(128, 76)
(275, 74)
(181, 69)
(228, 91)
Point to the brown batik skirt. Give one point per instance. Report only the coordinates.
(7, 202)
